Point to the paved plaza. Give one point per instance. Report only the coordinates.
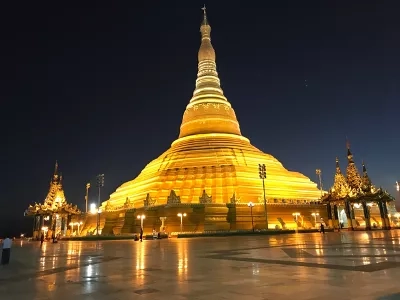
(346, 265)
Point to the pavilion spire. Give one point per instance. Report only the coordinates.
(338, 171)
(56, 192)
(366, 181)
(353, 177)
(340, 187)
(349, 154)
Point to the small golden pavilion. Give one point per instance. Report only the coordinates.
(53, 216)
(354, 202)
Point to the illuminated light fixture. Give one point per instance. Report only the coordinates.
(251, 205)
(315, 218)
(93, 208)
(181, 215)
(262, 172)
(141, 218)
(296, 215)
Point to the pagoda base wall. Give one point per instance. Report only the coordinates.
(89, 225)
(205, 217)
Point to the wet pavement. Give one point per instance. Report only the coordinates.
(346, 265)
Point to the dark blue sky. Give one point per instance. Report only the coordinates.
(102, 88)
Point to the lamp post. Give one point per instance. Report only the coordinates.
(72, 228)
(181, 216)
(87, 195)
(100, 184)
(397, 216)
(45, 229)
(318, 172)
(79, 224)
(315, 218)
(162, 227)
(96, 210)
(262, 171)
(141, 218)
(251, 204)
(296, 215)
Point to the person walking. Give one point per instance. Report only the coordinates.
(5, 255)
(141, 234)
(41, 239)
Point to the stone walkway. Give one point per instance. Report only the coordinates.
(347, 265)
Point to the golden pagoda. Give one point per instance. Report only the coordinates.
(211, 162)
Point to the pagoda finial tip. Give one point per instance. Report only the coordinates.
(204, 9)
(56, 167)
(364, 167)
(349, 154)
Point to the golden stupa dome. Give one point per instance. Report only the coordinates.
(211, 156)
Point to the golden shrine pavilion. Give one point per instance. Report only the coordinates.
(53, 216)
(354, 202)
(211, 173)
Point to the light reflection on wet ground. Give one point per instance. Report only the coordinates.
(348, 265)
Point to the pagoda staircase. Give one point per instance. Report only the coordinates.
(283, 224)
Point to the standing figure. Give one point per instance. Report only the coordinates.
(41, 239)
(5, 255)
(141, 233)
(322, 228)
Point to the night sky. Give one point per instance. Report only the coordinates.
(102, 89)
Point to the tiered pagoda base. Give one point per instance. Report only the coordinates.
(224, 217)
(206, 217)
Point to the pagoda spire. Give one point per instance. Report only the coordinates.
(207, 82)
(366, 181)
(353, 177)
(209, 111)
